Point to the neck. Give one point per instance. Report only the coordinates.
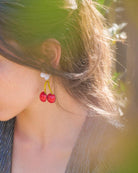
(44, 123)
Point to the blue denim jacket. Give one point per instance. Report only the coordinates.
(6, 141)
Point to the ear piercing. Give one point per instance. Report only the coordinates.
(51, 98)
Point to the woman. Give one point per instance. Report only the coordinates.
(56, 103)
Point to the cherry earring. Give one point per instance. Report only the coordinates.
(43, 95)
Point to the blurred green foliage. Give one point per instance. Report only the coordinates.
(105, 2)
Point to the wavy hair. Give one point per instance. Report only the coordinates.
(86, 58)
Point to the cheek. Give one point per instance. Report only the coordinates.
(17, 90)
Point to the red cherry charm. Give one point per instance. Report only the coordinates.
(43, 96)
(51, 98)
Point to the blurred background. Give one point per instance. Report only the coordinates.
(122, 18)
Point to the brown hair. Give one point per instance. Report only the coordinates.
(84, 70)
(92, 86)
(86, 57)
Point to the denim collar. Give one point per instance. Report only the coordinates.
(6, 144)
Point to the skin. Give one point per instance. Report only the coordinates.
(41, 129)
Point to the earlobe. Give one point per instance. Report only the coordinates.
(52, 49)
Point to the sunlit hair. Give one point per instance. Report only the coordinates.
(85, 68)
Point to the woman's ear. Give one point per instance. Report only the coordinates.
(52, 49)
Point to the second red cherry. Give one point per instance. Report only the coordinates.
(51, 98)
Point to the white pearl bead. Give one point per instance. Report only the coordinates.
(44, 75)
(47, 77)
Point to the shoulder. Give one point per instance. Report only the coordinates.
(103, 132)
(105, 137)
(95, 146)
(103, 126)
